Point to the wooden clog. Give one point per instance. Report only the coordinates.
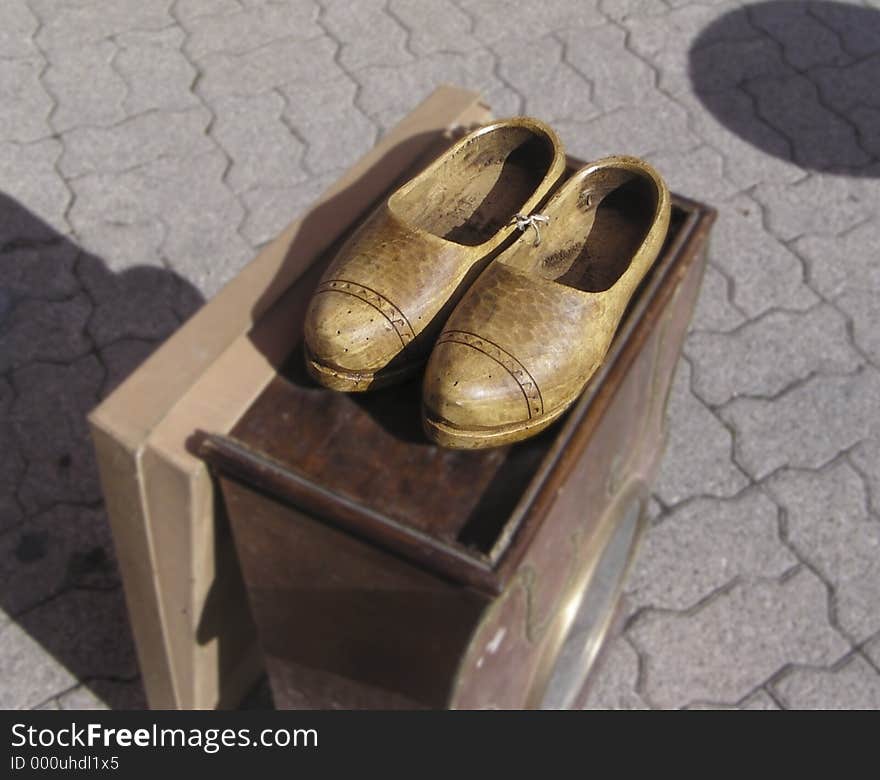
(382, 301)
(520, 347)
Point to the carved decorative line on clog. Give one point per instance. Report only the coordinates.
(517, 370)
(378, 301)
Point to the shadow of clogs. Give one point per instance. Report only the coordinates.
(804, 87)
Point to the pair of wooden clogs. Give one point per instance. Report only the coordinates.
(513, 298)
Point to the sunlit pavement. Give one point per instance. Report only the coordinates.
(147, 149)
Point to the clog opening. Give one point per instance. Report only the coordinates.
(478, 188)
(624, 213)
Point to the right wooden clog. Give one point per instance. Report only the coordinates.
(530, 332)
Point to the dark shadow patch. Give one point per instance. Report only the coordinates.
(803, 87)
(71, 330)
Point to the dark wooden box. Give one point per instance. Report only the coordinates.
(385, 572)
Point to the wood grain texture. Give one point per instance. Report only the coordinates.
(524, 340)
(381, 302)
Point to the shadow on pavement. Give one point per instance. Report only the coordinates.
(804, 87)
(71, 329)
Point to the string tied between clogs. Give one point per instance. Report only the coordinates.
(524, 222)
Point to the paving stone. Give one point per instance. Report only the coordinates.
(666, 40)
(766, 274)
(133, 303)
(866, 458)
(86, 87)
(829, 525)
(45, 330)
(863, 306)
(64, 547)
(271, 209)
(872, 650)
(26, 104)
(103, 695)
(759, 701)
(72, 25)
(48, 419)
(182, 203)
(820, 138)
(30, 674)
(818, 204)
(273, 65)
(156, 71)
(808, 425)
(17, 27)
(337, 132)
(48, 413)
(736, 642)
(553, 90)
(620, 10)
(346, 22)
(714, 311)
(614, 684)
(80, 698)
(699, 172)
(70, 476)
(434, 27)
(855, 686)
(7, 396)
(117, 234)
(263, 149)
(725, 64)
(135, 141)
(867, 122)
(804, 39)
(203, 242)
(768, 354)
(703, 546)
(34, 197)
(187, 299)
(858, 38)
(505, 100)
(847, 271)
(842, 264)
(763, 157)
(12, 467)
(87, 631)
(45, 271)
(186, 10)
(845, 89)
(121, 358)
(618, 77)
(698, 451)
(388, 94)
(245, 30)
(627, 129)
(495, 19)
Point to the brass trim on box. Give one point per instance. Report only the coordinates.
(578, 592)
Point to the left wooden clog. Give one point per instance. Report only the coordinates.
(380, 304)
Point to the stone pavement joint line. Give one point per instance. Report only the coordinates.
(147, 150)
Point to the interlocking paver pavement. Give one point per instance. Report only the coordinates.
(148, 149)
(855, 685)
